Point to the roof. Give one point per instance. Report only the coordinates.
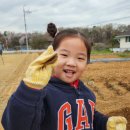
(123, 34)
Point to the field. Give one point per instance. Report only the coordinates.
(109, 81)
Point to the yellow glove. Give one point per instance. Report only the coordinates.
(116, 123)
(39, 71)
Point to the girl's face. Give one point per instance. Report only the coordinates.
(72, 59)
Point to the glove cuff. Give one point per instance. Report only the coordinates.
(33, 85)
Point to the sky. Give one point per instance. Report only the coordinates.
(64, 13)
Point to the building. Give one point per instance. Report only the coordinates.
(124, 41)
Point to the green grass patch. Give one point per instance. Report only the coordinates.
(106, 51)
(124, 54)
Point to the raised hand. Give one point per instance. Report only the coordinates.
(39, 71)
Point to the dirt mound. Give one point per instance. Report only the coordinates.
(111, 84)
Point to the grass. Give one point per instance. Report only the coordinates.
(105, 51)
(124, 54)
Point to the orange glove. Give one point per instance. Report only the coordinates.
(116, 123)
(39, 71)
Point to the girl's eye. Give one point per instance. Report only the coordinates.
(64, 55)
(81, 58)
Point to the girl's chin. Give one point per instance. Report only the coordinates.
(65, 78)
(68, 80)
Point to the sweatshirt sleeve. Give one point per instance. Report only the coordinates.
(100, 121)
(24, 109)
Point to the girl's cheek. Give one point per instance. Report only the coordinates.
(83, 66)
(61, 60)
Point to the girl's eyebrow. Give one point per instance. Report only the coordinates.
(64, 50)
(81, 53)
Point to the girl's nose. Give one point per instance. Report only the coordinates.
(71, 62)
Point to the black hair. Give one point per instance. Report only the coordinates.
(58, 37)
(52, 29)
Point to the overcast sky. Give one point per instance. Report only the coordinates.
(64, 13)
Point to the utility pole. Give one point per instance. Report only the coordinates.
(25, 25)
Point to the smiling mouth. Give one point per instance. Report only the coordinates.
(69, 72)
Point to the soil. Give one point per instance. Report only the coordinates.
(109, 81)
(111, 84)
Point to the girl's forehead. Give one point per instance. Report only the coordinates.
(72, 42)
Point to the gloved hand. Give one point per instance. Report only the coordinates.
(116, 123)
(39, 71)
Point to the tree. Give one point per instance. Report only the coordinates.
(38, 41)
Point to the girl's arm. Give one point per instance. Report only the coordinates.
(103, 122)
(100, 121)
(24, 109)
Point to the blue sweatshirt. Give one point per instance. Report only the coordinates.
(58, 106)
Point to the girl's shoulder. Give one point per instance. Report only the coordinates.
(86, 89)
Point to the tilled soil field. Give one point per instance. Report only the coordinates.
(111, 84)
(109, 81)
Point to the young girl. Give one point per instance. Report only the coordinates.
(51, 96)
